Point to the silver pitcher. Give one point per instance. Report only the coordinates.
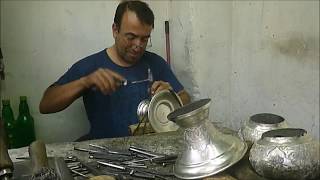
(287, 153)
(206, 150)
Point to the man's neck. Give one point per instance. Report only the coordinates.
(115, 58)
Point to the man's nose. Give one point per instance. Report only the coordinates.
(138, 43)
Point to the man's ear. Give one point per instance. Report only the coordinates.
(115, 30)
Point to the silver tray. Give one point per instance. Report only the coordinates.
(160, 106)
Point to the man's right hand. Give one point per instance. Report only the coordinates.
(105, 80)
(58, 97)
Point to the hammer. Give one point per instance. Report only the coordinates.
(40, 165)
(6, 165)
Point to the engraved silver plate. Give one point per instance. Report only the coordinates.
(160, 106)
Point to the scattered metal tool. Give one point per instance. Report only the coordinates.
(132, 172)
(143, 152)
(122, 163)
(77, 168)
(6, 165)
(39, 160)
(110, 151)
(79, 173)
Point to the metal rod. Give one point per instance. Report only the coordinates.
(110, 151)
(111, 165)
(78, 173)
(142, 151)
(86, 150)
(166, 25)
(100, 147)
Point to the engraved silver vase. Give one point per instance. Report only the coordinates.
(206, 150)
(287, 153)
(252, 129)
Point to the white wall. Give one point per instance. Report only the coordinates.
(248, 56)
(201, 45)
(40, 40)
(275, 61)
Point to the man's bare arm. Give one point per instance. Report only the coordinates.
(59, 97)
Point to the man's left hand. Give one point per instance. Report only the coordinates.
(158, 86)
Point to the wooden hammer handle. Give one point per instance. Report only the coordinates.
(5, 161)
(38, 156)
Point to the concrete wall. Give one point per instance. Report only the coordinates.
(247, 56)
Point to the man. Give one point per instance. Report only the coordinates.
(110, 105)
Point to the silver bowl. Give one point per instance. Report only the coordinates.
(256, 125)
(156, 110)
(287, 153)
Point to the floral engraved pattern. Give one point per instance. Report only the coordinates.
(196, 138)
(286, 161)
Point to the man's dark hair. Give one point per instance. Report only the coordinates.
(141, 9)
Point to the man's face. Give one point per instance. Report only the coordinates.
(131, 39)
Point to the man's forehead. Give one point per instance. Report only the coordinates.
(130, 18)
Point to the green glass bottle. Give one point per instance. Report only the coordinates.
(25, 124)
(9, 124)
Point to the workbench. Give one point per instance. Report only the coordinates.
(164, 143)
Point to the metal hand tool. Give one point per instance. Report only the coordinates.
(6, 165)
(149, 79)
(39, 160)
(110, 157)
(143, 152)
(132, 172)
(79, 173)
(85, 150)
(164, 160)
(110, 151)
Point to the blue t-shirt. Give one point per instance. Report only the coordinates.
(110, 115)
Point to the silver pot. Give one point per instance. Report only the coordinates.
(286, 154)
(206, 150)
(256, 125)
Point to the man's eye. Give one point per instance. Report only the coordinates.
(145, 39)
(130, 38)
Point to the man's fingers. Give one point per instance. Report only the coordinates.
(159, 86)
(102, 83)
(154, 87)
(116, 76)
(105, 80)
(111, 80)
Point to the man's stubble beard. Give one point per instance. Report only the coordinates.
(124, 56)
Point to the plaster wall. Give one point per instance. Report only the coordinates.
(202, 51)
(40, 40)
(250, 57)
(275, 61)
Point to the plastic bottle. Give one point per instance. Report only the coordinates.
(25, 124)
(9, 124)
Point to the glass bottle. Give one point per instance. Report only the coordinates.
(9, 124)
(25, 124)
